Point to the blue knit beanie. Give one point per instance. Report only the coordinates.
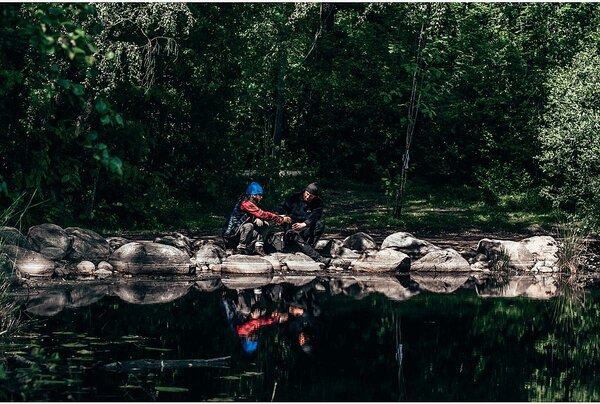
(254, 189)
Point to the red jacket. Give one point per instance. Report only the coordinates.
(249, 327)
(252, 209)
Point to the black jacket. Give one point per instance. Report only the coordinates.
(236, 219)
(301, 212)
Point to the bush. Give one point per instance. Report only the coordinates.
(570, 137)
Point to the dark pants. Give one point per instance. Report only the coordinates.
(306, 239)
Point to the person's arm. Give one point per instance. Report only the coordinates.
(251, 208)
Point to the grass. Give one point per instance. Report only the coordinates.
(574, 246)
(429, 209)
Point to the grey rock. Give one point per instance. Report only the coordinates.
(86, 268)
(209, 253)
(87, 245)
(246, 264)
(386, 260)
(105, 266)
(47, 303)
(360, 242)
(524, 254)
(50, 240)
(116, 242)
(241, 282)
(298, 262)
(208, 285)
(12, 236)
(446, 260)
(178, 241)
(84, 295)
(27, 262)
(103, 273)
(150, 258)
(408, 244)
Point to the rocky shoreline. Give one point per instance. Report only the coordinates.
(50, 251)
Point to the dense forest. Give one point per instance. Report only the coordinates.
(127, 114)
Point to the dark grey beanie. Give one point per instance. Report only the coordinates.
(312, 189)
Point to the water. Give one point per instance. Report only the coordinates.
(363, 338)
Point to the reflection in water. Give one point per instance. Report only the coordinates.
(313, 338)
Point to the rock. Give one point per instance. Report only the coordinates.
(209, 253)
(150, 258)
(27, 262)
(103, 273)
(479, 266)
(143, 292)
(246, 264)
(50, 240)
(387, 260)
(86, 268)
(521, 255)
(299, 262)
(87, 245)
(446, 260)
(12, 236)
(116, 242)
(360, 242)
(104, 266)
(332, 248)
(439, 282)
(178, 241)
(543, 248)
(409, 245)
(481, 257)
(468, 254)
(274, 261)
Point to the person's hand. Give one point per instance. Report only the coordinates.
(258, 222)
(286, 219)
(298, 226)
(255, 314)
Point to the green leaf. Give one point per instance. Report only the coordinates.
(109, 55)
(101, 106)
(105, 120)
(147, 348)
(78, 89)
(66, 84)
(119, 119)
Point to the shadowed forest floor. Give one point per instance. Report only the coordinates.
(445, 216)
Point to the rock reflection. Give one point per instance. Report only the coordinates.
(140, 292)
(440, 282)
(529, 286)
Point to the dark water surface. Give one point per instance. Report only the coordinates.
(403, 338)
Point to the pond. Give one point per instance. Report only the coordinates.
(308, 338)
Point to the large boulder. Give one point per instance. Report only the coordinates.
(408, 244)
(298, 262)
(387, 260)
(529, 253)
(150, 258)
(87, 245)
(209, 253)
(334, 248)
(27, 262)
(50, 240)
(178, 241)
(12, 236)
(446, 260)
(246, 264)
(360, 242)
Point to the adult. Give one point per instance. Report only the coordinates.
(305, 209)
(248, 224)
